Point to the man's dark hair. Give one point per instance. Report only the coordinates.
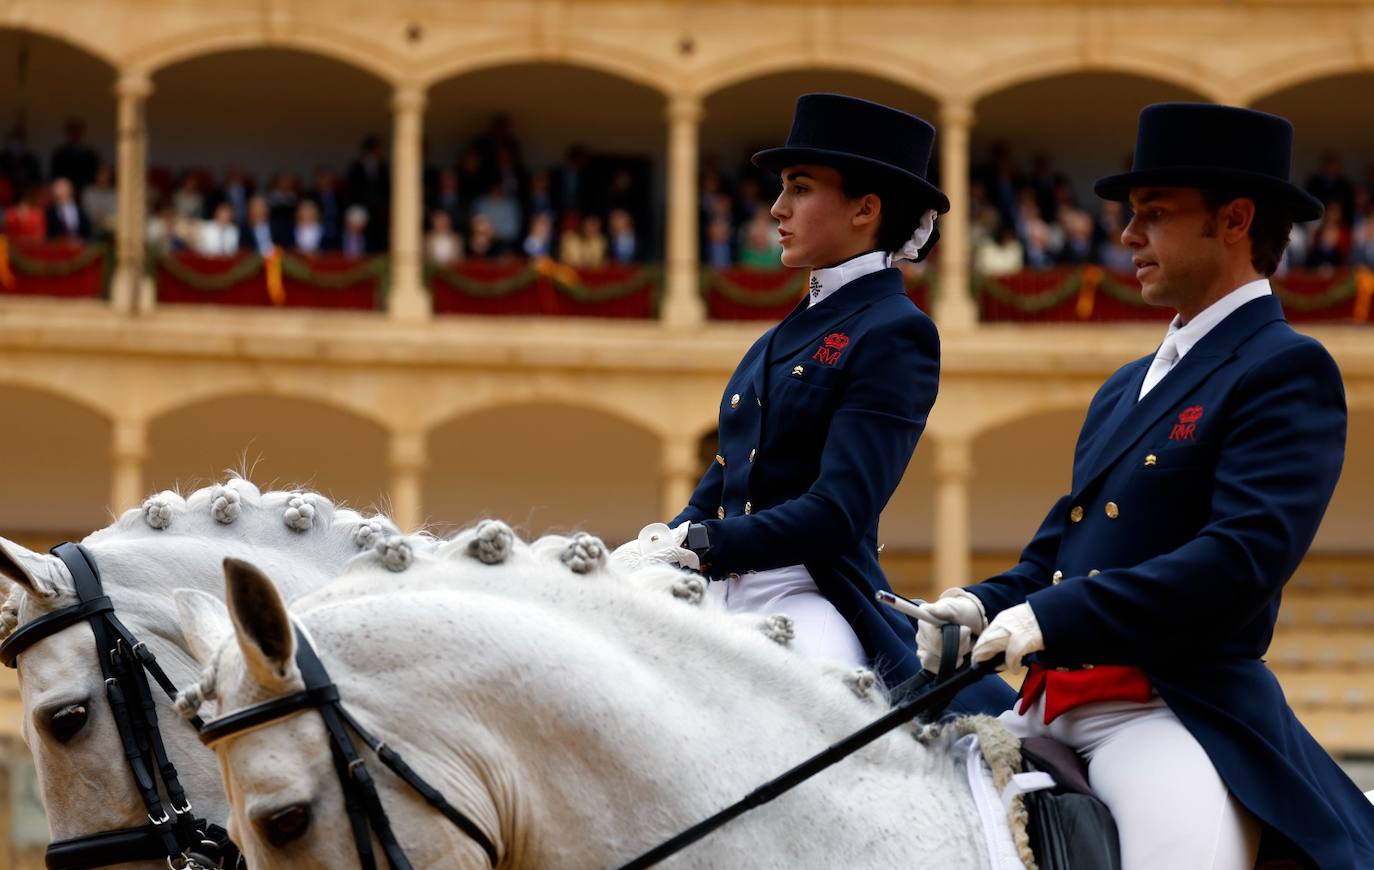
(900, 215)
(1269, 230)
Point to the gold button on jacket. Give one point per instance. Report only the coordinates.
(734, 400)
(1112, 510)
(1076, 513)
(720, 512)
(1058, 575)
(721, 460)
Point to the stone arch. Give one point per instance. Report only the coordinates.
(1333, 60)
(284, 441)
(617, 61)
(57, 464)
(318, 39)
(583, 468)
(331, 102)
(1179, 71)
(73, 37)
(740, 69)
(1319, 127)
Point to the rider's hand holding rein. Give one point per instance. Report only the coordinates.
(956, 606)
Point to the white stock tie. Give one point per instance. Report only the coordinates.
(1164, 360)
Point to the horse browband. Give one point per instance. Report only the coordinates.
(366, 815)
(125, 662)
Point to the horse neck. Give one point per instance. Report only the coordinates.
(625, 722)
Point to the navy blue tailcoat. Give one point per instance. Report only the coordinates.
(817, 425)
(1190, 510)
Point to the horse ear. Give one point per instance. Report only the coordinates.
(264, 628)
(204, 622)
(36, 573)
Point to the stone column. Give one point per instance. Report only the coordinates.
(408, 458)
(128, 454)
(952, 564)
(682, 305)
(408, 299)
(679, 472)
(132, 91)
(954, 308)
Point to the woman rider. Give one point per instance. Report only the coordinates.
(822, 415)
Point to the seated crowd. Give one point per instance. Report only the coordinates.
(587, 211)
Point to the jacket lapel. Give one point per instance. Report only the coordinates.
(1131, 419)
(807, 324)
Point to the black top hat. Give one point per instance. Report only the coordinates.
(835, 130)
(1206, 145)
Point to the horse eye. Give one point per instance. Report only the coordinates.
(286, 825)
(65, 722)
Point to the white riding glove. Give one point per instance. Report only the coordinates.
(954, 605)
(1016, 632)
(657, 543)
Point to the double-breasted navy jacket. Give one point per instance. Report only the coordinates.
(817, 425)
(1189, 511)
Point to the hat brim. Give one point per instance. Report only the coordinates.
(1301, 205)
(775, 160)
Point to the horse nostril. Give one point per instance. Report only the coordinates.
(65, 722)
(286, 825)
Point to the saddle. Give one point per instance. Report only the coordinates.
(1069, 826)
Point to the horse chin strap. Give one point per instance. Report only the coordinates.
(366, 815)
(186, 842)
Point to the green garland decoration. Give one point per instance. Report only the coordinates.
(1330, 297)
(241, 271)
(296, 268)
(1031, 302)
(58, 268)
(526, 278)
(713, 281)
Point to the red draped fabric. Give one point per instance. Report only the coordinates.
(307, 281)
(520, 287)
(63, 269)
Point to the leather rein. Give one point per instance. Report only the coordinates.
(172, 832)
(366, 815)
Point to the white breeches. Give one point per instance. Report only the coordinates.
(1171, 807)
(821, 632)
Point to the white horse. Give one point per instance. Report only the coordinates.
(578, 719)
(84, 781)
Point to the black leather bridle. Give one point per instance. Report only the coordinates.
(125, 662)
(366, 815)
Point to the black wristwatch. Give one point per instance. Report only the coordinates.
(699, 542)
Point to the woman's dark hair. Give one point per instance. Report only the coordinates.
(1269, 230)
(901, 214)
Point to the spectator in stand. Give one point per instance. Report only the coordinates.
(759, 245)
(541, 195)
(18, 163)
(282, 198)
(355, 234)
(499, 136)
(163, 229)
(369, 185)
(328, 199)
(583, 246)
(1330, 185)
(572, 189)
(539, 240)
(257, 232)
(308, 235)
(65, 219)
(1331, 244)
(719, 253)
(984, 219)
(25, 220)
(101, 203)
(74, 159)
(1003, 181)
(624, 247)
(1047, 185)
(235, 191)
(447, 197)
(482, 243)
(443, 246)
(218, 237)
(1362, 229)
(472, 172)
(1000, 255)
(1037, 237)
(509, 174)
(1295, 256)
(189, 200)
(503, 212)
(1079, 237)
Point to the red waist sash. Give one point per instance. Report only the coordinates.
(1067, 689)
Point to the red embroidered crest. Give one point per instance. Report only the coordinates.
(1185, 428)
(829, 351)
